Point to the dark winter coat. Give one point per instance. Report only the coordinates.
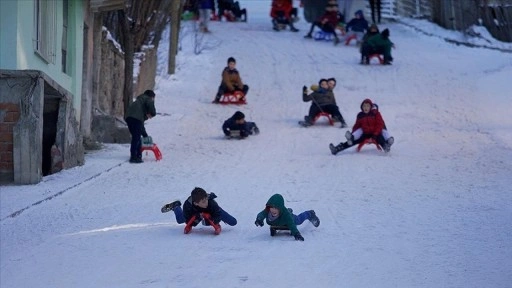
(281, 5)
(371, 122)
(189, 209)
(232, 79)
(285, 217)
(320, 97)
(141, 107)
(357, 24)
(230, 125)
(380, 43)
(313, 9)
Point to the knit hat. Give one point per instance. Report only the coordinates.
(385, 33)
(360, 13)
(238, 115)
(149, 93)
(231, 59)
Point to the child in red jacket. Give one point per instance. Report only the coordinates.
(327, 22)
(369, 124)
(282, 12)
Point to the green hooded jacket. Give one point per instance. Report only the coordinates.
(285, 217)
(378, 41)
(142, 106)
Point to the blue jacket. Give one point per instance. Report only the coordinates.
(357, 24)
(206, 4)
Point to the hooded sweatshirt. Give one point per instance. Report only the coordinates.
(371, 122)
(285, 218)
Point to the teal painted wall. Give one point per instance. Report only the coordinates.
(19, 47)
(8, 27)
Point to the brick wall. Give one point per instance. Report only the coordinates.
(9, 116)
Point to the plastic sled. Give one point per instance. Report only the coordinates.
(368, 141)
(152, 147)
(324, 114)
(377, 56)
(274, 229)
(237, 98)
(323, 36)
(352, 37)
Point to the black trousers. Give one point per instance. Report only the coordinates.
(330, 108)
(136, 128)
(223, 89)
(375, 5)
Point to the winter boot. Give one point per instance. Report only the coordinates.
(308, 36)
(292, 28)
(313, 218)
(387, 145)
(350, 138)
(136, 160)
(308, 121)
(274, 25)
(336, 149)
(170, 207)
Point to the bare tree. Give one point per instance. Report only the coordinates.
(141, 23)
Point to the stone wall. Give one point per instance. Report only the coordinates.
(110, 92)
(22, 103)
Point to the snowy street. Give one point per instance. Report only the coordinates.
(434, 212)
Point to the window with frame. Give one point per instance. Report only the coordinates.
(45, 29)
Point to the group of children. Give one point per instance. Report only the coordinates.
(205, 11)
(200, 207)
(368, 38)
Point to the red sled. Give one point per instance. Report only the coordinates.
(368, 141)
(236, 98)
(208, 218)
(154, 148)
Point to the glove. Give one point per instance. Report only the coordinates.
(304, 89)
(298, 237)
(258, 222)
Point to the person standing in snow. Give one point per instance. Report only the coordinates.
(369, 125)
(231, 81)
(199, 205)
(375, 6)
(205, 11)
(276, 214)
(140, 110)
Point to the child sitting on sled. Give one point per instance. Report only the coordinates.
(369, 124)
(323, 100)
(231, 81)
(200, 206)
(236, 124)
(277, 214)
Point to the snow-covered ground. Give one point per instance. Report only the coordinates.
(435, 212)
